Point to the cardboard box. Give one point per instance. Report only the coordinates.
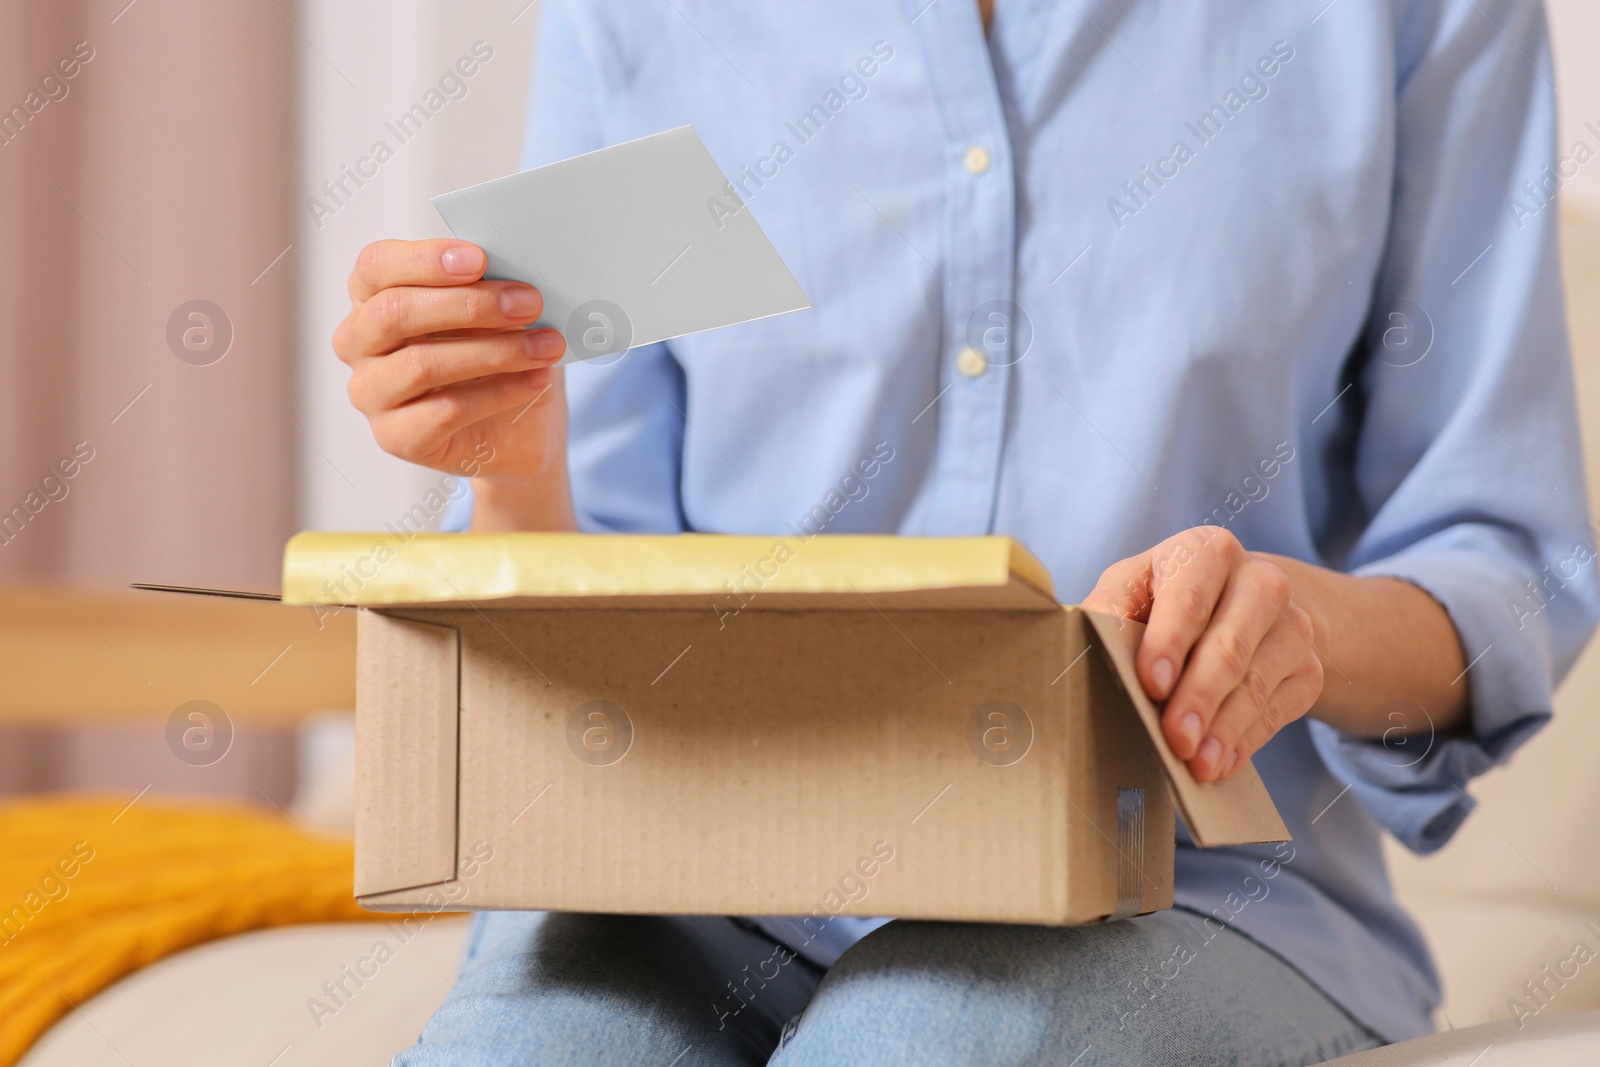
(731, 725)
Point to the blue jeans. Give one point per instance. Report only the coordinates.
(555, 990)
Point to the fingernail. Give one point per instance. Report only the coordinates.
(518, 302)
(1189, 727)
(1233, 758)
(545, 344)
(1210, 752)
(536, 378)
(1162, 674)
(463, 261)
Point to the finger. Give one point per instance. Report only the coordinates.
(1252, 602)
(1293, 697)
(1249, 706)
(396, 316)
(1188, 577)
(1123, 589)
(404, 375)
(386, 264)
(421, 430)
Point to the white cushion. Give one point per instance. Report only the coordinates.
(1569, 1040)
(245, 1000)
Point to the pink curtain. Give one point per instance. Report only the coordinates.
(146, 161)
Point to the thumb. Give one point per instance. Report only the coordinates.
(1123, 590)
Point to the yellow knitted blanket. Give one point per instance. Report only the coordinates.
(93, 889)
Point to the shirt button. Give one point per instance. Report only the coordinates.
(977, 159)
(971, 362)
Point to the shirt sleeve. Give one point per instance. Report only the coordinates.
(1467, 458)
(625, 421)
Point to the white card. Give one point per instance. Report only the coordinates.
(629, 245)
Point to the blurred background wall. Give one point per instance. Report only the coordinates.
(160, 173)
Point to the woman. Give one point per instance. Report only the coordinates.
(1238, 316)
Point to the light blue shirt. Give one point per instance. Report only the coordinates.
(1269, 265)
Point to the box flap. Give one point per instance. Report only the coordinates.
(407, 735)
(1238, 811)
(207, 591)
(725, 572)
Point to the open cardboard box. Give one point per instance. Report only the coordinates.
(734, 725)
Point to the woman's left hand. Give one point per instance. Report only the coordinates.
(1225, 644)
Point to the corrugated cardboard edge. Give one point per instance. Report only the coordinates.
(1237, 811)
(392, 570)
(1102, 759)
(407, 722)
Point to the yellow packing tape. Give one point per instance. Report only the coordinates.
(392, 568)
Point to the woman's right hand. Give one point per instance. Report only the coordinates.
(448, 377)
